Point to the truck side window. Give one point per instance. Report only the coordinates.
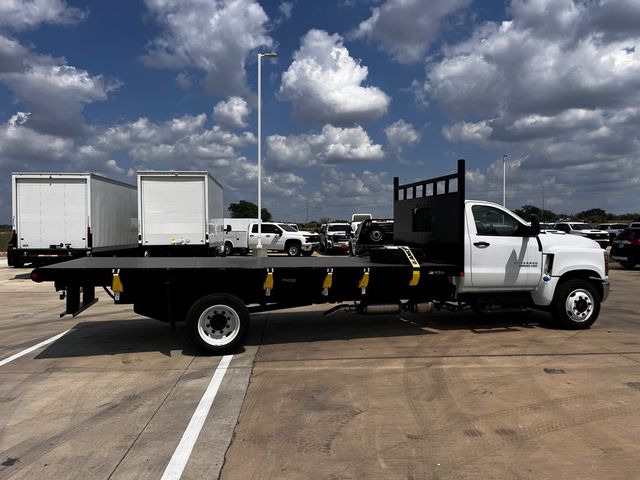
(254, 229)
(494, 222)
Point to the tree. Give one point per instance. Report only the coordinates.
(594, 215)
(527, 210)
(244, 209)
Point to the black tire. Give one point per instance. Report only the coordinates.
(231, 326)
(576, 304)
(228, 249)
(376, 235)
(293, 249)
(627, 265)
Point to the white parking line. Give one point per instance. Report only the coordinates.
(31, 349)
(183, 450)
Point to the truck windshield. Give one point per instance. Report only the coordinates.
(340, 228)
(581, 226)
(360, 218)
(287, 228)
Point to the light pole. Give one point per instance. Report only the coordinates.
(260, 55)
(504, 180)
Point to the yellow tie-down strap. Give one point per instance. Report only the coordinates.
(415, 274)
(364, 281)
(327, 282)
(268, 281)
(116, 283)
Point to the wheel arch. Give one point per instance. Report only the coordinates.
(590, 276)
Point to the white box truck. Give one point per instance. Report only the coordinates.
(180, 213)
(57, 216)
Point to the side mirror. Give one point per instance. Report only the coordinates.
(535, 226)
(228, 229)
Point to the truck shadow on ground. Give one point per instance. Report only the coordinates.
(117, 337)
(120, 337)
(314, 327)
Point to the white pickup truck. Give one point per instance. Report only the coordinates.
(283, 237)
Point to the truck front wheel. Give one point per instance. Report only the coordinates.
(218, 323)
(576, 304)
(293, 249)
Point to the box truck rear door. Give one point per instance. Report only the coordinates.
(52, 211)
(173, 210)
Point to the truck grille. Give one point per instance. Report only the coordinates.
(340, 238)
(313, 238)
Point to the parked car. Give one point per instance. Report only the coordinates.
(635, 225)
(548, 227)
(626, 248)
(335, 236)
(613, 229)
(584, 230)
(371, 233)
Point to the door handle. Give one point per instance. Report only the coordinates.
(482, 244)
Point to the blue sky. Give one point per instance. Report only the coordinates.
(362, 91)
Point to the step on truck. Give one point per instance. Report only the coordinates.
(60, 216)
(449, 252)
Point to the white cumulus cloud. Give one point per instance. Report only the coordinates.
(400, 134)
(324, 84)
(405, 29)
(333, 145)
(25, 14)
(213, 37)
(231, 113)
(52, 91)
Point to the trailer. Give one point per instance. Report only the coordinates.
(180, 214)
(60, 216)
(451, 253)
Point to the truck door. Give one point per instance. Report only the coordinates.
(503, 255)
(269, 236)
(52, 211)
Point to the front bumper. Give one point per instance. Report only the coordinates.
(606, 286)
(310, 247)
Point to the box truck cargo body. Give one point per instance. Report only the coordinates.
(61, 215)
(180, 213)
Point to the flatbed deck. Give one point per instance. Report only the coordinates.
(107, 264)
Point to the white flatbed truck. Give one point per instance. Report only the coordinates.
(450, 252)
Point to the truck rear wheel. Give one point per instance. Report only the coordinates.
(228, 249)
(376, 235)
(218, 323)
(576, 304)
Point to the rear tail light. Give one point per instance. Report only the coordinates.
(635, 241)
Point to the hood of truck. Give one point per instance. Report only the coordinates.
(558, 241)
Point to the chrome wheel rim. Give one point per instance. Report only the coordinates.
(579, 305)
(218, 325)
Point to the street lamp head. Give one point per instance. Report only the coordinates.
(268, 55)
